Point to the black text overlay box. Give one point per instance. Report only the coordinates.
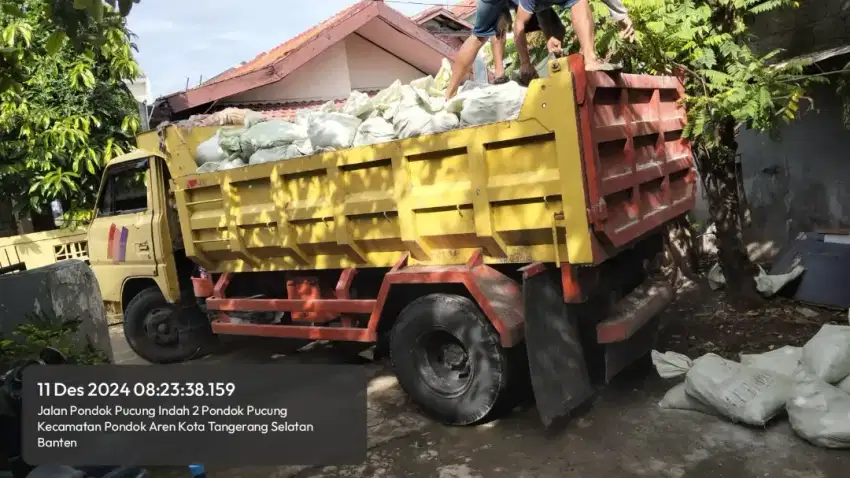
(194, 413)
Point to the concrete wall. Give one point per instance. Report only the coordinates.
(815, 25)
(801, 182)
(63, 291)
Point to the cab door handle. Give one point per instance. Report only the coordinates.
(143, 246)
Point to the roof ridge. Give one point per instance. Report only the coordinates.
(250, 65)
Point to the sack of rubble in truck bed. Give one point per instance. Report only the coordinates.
(740, 393)
(227, 116)
(478, 104)
(271, 134)
(819, 412)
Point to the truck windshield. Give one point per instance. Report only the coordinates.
(125, 189)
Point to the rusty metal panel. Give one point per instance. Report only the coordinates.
(638, 167)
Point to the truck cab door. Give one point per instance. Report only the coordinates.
(120, 236)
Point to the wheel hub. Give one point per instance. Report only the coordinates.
(161, 326)
(445, 363)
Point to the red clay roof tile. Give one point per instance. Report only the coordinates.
(464, 8)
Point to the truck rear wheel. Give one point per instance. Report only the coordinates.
(448, 359)
(161, 332)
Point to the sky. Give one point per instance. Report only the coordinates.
(191, 39)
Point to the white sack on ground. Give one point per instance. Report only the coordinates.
(210, 152)
(742, 394)
(271, 134)
(492, 104)
(827, 354)
(374, 130)
(844, 384)
(332, 130)
(819, 412)
(784, 360)
(671, 364)
(677, 399)
(767, 285)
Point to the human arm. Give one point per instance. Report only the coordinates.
(620, 14)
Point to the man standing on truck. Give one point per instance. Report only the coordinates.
(489, 23)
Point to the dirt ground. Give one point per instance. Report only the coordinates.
(623, 434)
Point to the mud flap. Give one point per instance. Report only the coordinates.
(559, 375)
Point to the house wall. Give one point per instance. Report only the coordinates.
(353, 64)
(325, 77)
(801, 182)
(372, 68)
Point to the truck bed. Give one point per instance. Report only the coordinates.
(593, 163)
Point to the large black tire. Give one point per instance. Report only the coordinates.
(161, 332)
(449, 360)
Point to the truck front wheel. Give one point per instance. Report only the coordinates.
(449, 360)
(161, 332)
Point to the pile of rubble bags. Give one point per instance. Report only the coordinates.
(397, 112)
(810, 383)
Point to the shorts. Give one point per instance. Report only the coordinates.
(535, 6)
(487, 15)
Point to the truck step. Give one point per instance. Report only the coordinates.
(634, 311)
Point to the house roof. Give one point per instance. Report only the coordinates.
(394, 33)
(286, 110)
(464, 8)
(434, 12)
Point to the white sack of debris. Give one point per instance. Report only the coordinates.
(397, 112)
(819, 412)
(827, 354)
(767, 285)
(677, 398)
(740, 393)
(784, 360)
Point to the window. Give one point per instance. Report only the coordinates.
(125, 190)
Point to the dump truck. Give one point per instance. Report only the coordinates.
(477, 257)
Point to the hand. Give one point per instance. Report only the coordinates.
(554, 46)
(627, 30)
(526, 74)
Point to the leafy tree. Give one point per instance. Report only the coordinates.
(728, 87)
(65, 108)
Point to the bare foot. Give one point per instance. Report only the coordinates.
(598, 65)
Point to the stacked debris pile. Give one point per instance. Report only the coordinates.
(397, 112)
(810, 383)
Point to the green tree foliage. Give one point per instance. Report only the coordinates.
(65, 108)
(728, 87)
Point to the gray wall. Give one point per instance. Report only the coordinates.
(814, 26)
(801, 182)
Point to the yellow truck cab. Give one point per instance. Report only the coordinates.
(457, 251)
